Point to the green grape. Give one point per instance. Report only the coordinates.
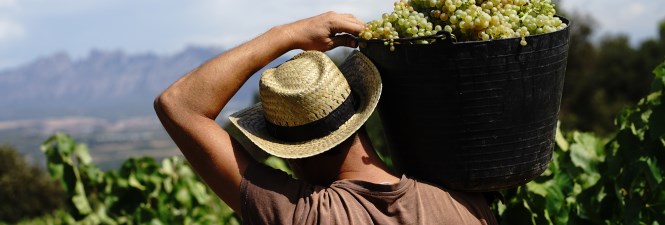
(468, 20)
(404, 21)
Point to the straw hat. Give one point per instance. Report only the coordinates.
(309, 106)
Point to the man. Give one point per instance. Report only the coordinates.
(311, 113)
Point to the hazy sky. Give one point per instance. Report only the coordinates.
(31, 28)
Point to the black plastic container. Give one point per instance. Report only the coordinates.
(472, 116)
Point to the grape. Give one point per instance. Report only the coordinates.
(467, 20)
(404, 21)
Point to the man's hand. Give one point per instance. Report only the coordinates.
(321, 32)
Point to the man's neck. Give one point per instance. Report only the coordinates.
(362, 163)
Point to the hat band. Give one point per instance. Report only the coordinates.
(318, 128)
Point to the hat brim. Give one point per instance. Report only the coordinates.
(364, 80)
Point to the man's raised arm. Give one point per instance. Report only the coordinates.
(188, 108)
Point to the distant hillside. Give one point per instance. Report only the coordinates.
(106, 84)
(103, 100)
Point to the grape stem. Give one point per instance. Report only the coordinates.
(526, 13)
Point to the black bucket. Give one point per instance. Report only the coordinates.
(472, 116)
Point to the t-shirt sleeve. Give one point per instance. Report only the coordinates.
(270, 196)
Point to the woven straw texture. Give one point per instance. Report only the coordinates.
(305, 89)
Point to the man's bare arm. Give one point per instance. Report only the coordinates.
(188, 108)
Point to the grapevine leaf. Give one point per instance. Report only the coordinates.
(652, 171)
(278, 163)
(65, 144)
(554, 201)
(657, 122)
(69, 174)
(634, 123)
(183, 197)
(133, 182)
(623, 120)
(563, 215)
(82, 154)
(560, 140)
(155, 221)
(185, 172)
(57, 171)
(90, 219)
(537, 188)
(627, 178)
(168, 184)
(155, 181)
(104, 218)
(48, 144)
(628, 143)
(632, 211)
(584, 152)
(167, 166)
(81, 202)
(659, 82)
(198, 191)
(654, 99)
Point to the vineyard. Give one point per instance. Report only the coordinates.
(596, 181)
(141, 192)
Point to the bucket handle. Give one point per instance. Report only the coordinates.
(443, 37)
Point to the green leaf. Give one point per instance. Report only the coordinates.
(537, 188)
(81, 203)
(103, 217)
(554, 201)
(70, 179)
(560, 140)
(623, 119)
(198, 190)
(563, 215)
(183, 197)
(585, 152)
(168, 184)
(277, 163)
(90, 219)
(185, 172)
(57, 171)
(133, 182)
(155, 179)
(657, 123)
(82, 154)
(659, 81)
(652, 171)
(167, 167)
(155, 221)
(65, 144)
(655, 99)
(633, 208)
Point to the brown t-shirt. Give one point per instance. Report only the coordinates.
(270, 196)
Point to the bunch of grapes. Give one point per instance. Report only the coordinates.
(467, 20)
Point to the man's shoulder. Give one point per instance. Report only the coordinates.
(273, 199)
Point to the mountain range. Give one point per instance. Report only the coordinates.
(105, 84)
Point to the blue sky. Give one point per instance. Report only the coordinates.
(31, 28)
